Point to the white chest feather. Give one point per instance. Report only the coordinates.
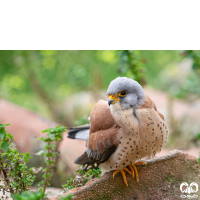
(124, 118)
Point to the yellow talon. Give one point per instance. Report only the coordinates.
(116, 172)
(127, 170)
(140, 163)
(136, 173)
(123, 175)
(132, 170)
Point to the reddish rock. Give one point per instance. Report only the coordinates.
(26, 125)
(159, 179)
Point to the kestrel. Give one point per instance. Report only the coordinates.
(122, 130)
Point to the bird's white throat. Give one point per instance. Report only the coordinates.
(123, 117)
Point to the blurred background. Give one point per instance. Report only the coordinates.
(39, 89)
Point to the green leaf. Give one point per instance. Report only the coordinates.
(68, 197)
(70, 187)
(42, 138)
(7, 124)
(2, 136)
(10, 136)
(28, 195)
(45, 130)
(51, 136)
(47, 139)
(4, 146)
(16, 197)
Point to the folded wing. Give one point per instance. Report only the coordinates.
(102, 139)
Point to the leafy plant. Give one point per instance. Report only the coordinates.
(16, 175)
(17, 178)
(28, 195)
(68, 197)
(54, 135)
(82, 176)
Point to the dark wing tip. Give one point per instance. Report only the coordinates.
(84, 159)
(71, 134)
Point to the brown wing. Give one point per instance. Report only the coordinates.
(102, 139)
(100, 117)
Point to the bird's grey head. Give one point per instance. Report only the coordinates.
(126, 91)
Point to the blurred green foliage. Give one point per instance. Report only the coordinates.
(28, 195)
(191, 87)
(195, 56)
(132, 66)
(182, 78)
(42, 80)
(68, 197)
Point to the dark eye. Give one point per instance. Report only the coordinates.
(122, 93)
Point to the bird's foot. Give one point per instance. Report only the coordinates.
(132, 170)
(123, 174)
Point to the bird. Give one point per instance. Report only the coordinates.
(123, 130)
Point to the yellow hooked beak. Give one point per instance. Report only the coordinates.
(112, 99)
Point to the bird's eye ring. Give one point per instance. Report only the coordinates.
(122, 93)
